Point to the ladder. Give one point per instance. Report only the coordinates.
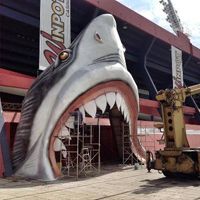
(127, 154)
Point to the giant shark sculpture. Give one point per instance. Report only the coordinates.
(91, 73)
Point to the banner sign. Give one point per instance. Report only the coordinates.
(177, 67)
(55, 30)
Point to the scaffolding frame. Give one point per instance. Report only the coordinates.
(81, 150)
(127, 154)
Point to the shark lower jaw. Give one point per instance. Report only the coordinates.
(113, 93)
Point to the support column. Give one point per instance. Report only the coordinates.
(144, 70)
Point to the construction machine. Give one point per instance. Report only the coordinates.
(177, 158)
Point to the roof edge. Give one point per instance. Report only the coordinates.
(122, 12)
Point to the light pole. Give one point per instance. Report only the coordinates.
(172, 16)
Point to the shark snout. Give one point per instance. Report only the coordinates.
(109, 19)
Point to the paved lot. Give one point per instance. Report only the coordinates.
(113, 183)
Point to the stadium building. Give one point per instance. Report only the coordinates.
(148, 58)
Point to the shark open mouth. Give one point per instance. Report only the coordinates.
(101, 98)
(90, 76)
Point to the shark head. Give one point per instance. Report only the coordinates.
(91, 75)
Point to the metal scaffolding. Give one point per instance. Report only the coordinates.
(81, 152)
(127, 154)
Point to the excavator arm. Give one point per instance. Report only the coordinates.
(171, 102)
(192, 90)
(177, 156)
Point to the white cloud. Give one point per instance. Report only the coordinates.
(188, 12)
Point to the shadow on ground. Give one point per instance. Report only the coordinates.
(156, 185)
(19, 182)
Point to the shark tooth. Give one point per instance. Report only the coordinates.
(64, 133)
(91, 108)
(70, 122)
(122, 107)
(58, 145)
(118, 100)
(82, 110)
(128, 117)
(111, 97)
(64, 153)
(101, 103)
(126, 113)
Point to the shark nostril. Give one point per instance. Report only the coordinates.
(98, 37)
(64, 55)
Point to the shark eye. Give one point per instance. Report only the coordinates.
(98, 37)
(63, 55)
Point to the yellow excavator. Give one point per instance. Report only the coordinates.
(177, 158)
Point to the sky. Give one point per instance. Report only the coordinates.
(188, 12)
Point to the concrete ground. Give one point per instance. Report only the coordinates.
(113, 183)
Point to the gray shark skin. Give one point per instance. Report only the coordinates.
(93, 60)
